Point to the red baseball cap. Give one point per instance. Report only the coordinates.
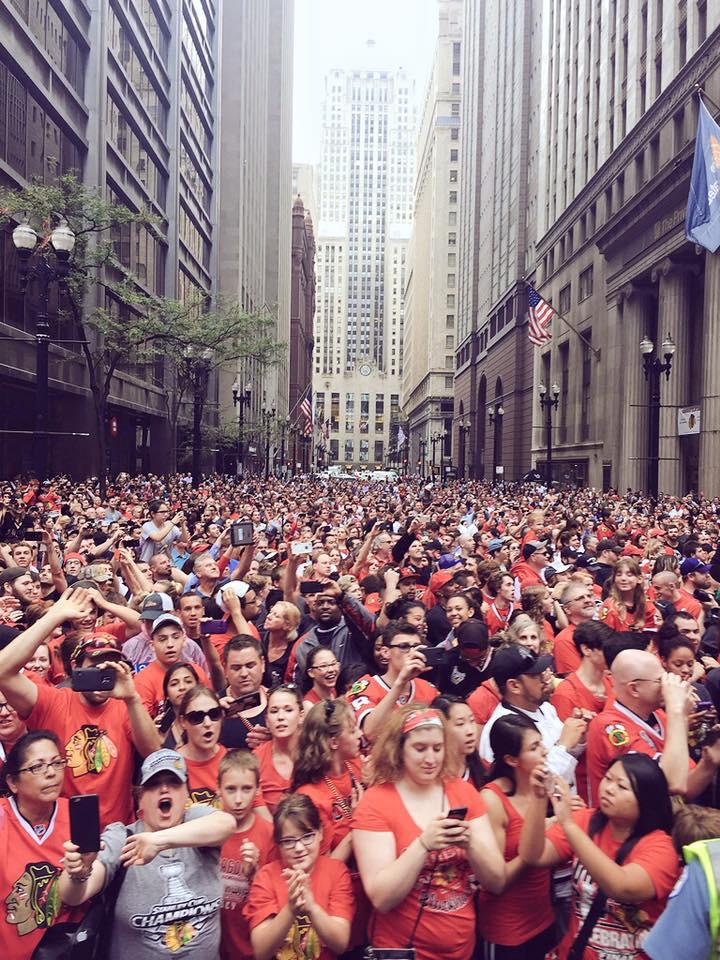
(96, 644)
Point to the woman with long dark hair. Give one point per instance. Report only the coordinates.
(178, 679)
(463, 737)
(511, 931)
(622, 852)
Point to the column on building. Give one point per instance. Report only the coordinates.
(710, 408)
(637, 307)
(673, 319)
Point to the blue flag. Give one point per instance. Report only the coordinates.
(702, 223)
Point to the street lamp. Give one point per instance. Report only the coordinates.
(423, 454)
(268, 416)
(495, 416)
(464, 431)
(62, 241)
(436, 438)
(241, 400)
(294, 431)
(284, 426)
(653, 368)
(548, 404)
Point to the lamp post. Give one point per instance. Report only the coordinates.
(241, 400)
(294, 430)
(434, 439)
(268, 415)
(653, 368)
(464, 432)
(423, 455)
(495, 416)
(548, 403)
(62, 242)
(284, 426)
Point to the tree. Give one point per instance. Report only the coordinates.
(201, 341)
(115, 318)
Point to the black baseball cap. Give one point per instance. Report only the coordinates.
(473, 634)
(516, 661)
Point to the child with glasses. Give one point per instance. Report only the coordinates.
(302, 904)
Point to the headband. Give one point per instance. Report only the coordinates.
(421, 718)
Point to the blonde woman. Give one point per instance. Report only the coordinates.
(278, 636)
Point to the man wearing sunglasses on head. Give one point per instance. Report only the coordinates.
(373, 698)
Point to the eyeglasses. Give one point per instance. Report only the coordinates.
(324, 667)
(405, 646)
(39, 768)
(647, 680)
(6, 706)
(289, 843)
(196, 717)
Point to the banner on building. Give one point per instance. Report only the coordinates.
(688, 421)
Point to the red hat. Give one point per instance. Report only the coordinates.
(407, 573)
(657, 532)
(439, 579)
(94, 644)
(74, 556)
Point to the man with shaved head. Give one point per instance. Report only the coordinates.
(667, 590)
(634, 721)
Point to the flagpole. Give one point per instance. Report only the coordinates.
(298, 402)
(565, 320)
(701, 93)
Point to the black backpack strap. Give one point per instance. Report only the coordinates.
(597, 908)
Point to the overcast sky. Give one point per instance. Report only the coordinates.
(335, 33)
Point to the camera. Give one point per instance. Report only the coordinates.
(241, 533)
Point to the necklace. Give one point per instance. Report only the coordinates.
(345, 807)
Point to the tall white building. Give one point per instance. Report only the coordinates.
(366, 181)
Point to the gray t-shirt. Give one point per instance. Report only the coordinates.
(148, 547)
(169, 907)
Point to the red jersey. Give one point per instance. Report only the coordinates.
(621, 620)
(445, 881)
(332, 889)
(273, 786)
(149, 684)
(525, 576)
(621, 928)
(616, 731)
(565, 654)
(98, 747)
(333, 798)
(497, 617)
(688, 603)
(483, 701)
(505, 918)
(30, 864)
(235, 942)
(203, 778)
(571, 693)
(367, 692)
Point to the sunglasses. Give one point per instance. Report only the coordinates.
(196, 717)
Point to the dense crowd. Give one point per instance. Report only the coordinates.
(340, 718)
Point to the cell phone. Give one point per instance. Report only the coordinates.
(93, 679)
(308, 587)
(702, 705)
(34, 536)
(130, 542)
(434, 656)
(85, 822)
(248, 702)
(300, 549)
(213, 627)
(457, 813)
(241, 533)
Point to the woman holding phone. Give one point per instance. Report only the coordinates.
(35, 825)
(421, 838)
(178, 679)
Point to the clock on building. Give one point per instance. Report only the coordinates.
(365, 369)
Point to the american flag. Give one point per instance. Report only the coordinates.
(539, 314)
(306, 411)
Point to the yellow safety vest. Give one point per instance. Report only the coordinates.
(707, 854)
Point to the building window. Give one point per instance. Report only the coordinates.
(449, 343)
(450, 300)
(682, 43)
(453, 156)
(586, 283)
(564, 300)
(449, 382)
(364, 451)
(335, 412)
(450, 321)
(379, 451)
(586, 387)
(452, 196)
(702, 21)
(349, 452)
(564, 381)
(453, 176)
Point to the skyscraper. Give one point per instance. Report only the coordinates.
(366, 178)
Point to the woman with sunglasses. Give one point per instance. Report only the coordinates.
(277, 756)
(421, 840)
(321, 673)
(178, 679)
(300, 905)
(200, 716)
(622, 849)
(36, 823)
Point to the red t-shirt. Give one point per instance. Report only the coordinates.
(619, 932)
(571, 693)
(333, 798)
(332, 889)
(235, 942)
(688, 603)
(203, 778)
(29, 869)
(617, 731)
(149, 684)
(565, 654)
(273, 786)
(505, 918)
(445, 882)
(97, 742)
(367, 692)
(483, 701)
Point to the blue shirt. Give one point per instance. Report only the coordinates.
(683, 929)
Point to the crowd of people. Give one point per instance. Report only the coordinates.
(340, 718)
